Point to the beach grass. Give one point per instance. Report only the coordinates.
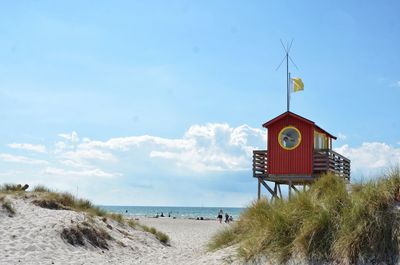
(47, 198)
(6, 205)
(10, 188)
(66, 201)
(78, 234)
(162, 237)
(226, 237)
(327, 223)
(40, 188)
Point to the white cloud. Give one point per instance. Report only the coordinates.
(95, 172)
(371, 158)
(21, 159)
(214, 147)
(87, 154)
(29, 147)
(210, 147)
(206, 148)
(201, 160)
(71, 137)
(127, 143)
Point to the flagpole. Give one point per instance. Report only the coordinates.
(289, 90)
(287, 82)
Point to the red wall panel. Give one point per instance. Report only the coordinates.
(290, 162)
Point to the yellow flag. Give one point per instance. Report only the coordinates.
(297, 84)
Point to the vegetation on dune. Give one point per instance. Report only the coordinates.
(10, 188)
(6, 205)
(46, 198)
(66, 201)
(324, 224)
(162, 237)
(40, 188)
(79, 234)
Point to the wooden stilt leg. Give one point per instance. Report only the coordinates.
(280, 192)
(290, 189)
(259, 189)
(271, 191)
(275, 191)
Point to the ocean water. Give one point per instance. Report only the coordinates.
(177, 212)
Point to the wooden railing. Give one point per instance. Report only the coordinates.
(324, 161)
(260, 163)
(328, 161)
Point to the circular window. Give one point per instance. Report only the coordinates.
(289, 138)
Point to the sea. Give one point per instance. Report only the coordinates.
(177, 212)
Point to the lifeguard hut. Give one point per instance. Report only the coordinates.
(298, 152)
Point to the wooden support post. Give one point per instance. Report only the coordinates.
(290, 189)
(304, 187)
(268, 188)
(276, 190)
(259, 189)
(279, 189)
(294, 188)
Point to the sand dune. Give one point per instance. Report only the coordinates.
(33, 236)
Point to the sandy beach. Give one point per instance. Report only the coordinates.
(189, 239)
(33, 236)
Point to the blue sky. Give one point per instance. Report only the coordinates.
(161, 102)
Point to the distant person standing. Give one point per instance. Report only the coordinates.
(227, 218)
(220, 214)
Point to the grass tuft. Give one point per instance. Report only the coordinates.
(40, 188)
(6, 205)
(77, 235)
(9, 187)
(65, 201)
(119, 218)
(162, 237)
(324, 224)
(224, 238)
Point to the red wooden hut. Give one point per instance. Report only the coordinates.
(298, 152)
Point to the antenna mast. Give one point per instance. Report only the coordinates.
(287, 57)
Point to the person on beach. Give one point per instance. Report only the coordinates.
(227, 218)
(220, 213)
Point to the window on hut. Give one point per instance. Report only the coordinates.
(320, 141)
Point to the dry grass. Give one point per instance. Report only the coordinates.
(162, 237)
(119, 218)
(46, 198)
(226, 237)
(6, 205)
(79, 234)
(324, 224)
(9, 188)
(65, 201)
(40, 188)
